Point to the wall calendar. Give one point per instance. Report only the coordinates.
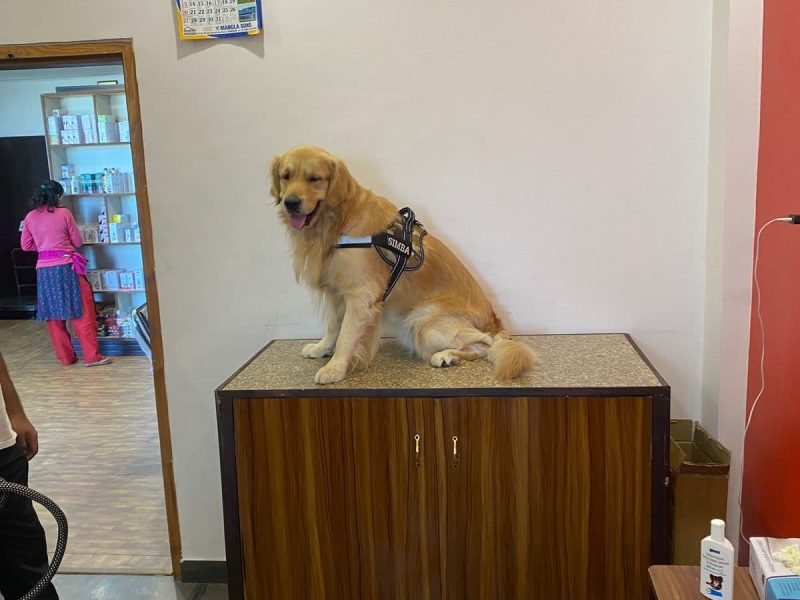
(209, 19)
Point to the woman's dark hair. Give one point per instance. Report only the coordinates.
(47, 195)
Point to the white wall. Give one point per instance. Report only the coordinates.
(736, 95)
(560, 147)
(20, 91)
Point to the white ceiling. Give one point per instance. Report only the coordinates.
(99, 71)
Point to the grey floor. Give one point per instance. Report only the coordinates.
(134, 587)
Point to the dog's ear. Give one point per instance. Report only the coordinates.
(340, 183)
(275, 176)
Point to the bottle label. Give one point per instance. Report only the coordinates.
(715, 584)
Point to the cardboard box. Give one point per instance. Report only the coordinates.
(699, 467)
(772, 579)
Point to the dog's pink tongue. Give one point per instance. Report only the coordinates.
(298, 221)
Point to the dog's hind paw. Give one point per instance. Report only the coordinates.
(444, 358)
(330, 373)
(316, 351)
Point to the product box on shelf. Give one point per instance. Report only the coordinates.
(89, 234)
(116, 232)
(107, 133)
(124, 131)
(138, 280)
(90, 136)
(67, 170)
(71, 121)
(126, 280)
(95, 280)
(111, 279)
(72, 136)
(54, 125)
(773, 579)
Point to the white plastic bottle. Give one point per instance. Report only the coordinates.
(716, 564)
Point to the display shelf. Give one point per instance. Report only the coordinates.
(112, 243)
(59, 146)
(114, 346)
(110, 195)
(92, 159)
(109, 91)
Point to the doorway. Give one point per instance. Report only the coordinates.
(105, 450)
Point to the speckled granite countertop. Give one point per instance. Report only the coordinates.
(591, 361)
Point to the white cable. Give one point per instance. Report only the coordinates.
(752, 410)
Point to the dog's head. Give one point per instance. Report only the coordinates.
(306, 182)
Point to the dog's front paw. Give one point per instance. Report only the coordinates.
(318, 350)
(331, 373)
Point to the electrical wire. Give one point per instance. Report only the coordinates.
(752, 410)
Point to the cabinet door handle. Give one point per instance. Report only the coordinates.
(455, 446)
(416, 443)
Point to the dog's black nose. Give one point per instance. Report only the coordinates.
(292, 203)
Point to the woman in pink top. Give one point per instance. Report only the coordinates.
(64, 293)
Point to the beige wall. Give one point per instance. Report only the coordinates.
(560, 147)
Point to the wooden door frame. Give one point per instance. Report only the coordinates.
(60, 54)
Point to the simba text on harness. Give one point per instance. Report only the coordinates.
(400, 246)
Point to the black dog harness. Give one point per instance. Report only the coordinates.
(399, 246)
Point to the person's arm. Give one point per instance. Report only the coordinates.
(27, 437)
(27, 242)
(75, 236)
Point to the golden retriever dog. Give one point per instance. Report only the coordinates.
(438, 311)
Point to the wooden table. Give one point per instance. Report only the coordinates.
(683, 583)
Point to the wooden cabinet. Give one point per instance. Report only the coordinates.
(409, 482)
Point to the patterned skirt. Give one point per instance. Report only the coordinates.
(59, 294)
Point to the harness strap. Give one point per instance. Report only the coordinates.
(401, 246)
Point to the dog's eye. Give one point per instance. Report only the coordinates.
(285, 176)
(313, 178)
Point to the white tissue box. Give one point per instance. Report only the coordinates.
(764, 567)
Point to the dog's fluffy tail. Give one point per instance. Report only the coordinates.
(510, 358)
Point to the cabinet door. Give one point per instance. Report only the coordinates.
(332, 499)
(544, 497)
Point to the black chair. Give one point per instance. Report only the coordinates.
(24, 264)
